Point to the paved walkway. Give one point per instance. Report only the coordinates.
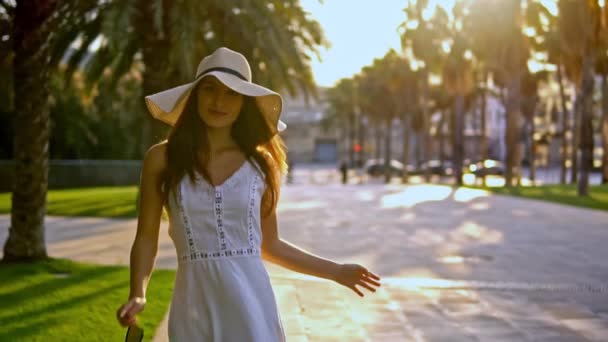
(456, 265)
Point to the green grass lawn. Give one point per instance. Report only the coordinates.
(61, 300)
(565, 194)
(98, 202)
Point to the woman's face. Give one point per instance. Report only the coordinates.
(218, 105)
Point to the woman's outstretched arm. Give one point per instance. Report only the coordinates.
(291, 257)
(145, 244)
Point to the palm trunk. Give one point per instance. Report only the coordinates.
(441, 136)
(351, 143)
(565, 125)
(576, 134)
(418, 150)
(484, 139)
(586, 135)
(388, 137)
(426, 136)
(378, 146)
(406, 148)
(604, 130)
(532, 150)
(457, 138)
(513, 128)
(32, 25)
(362, 142)
(155, 78)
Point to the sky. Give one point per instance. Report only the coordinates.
(358, 31)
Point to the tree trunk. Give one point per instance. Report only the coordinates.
(565, 125)
(418, 150)
(604, 130)
(532, 150)
(441, 136)
(457, 138)
(406, 148)
(351, 138)
(586, 135)
(426, 136)
(378, 146)
(155, 77)
(362, 142)
(387, 151)
(576, 135)
(513, 128)
(484, 138)
(32, 24)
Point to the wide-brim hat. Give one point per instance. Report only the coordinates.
(232, 69)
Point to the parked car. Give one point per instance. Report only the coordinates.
(437, 168)
(375, 167)
(487, 167)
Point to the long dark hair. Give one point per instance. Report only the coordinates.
(188, 147)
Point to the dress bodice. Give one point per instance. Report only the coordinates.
(211, 222)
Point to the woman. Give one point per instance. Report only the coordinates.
(218, 175)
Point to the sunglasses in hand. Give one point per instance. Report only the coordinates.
(134, 334)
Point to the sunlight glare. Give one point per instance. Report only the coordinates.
(453, 259)
(415, 195)
(434, 79)
(469, 231)
(466, 195)
(302, 205)
(551, 6)
(445, 46)
(365, 195)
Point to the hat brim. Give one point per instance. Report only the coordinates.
(168, 105)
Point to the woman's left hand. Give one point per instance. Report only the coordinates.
(350, 275)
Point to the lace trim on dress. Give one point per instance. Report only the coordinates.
(229, 183)
(219, 218)
(187, 227)
(219, 255)
(250, 211)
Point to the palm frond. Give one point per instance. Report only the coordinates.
(123, 62)
(98, 63)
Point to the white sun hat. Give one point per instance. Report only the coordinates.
(232, 69)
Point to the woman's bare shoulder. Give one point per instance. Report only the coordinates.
(155, 160)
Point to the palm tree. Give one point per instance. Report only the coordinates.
(482, 73)
(498, 27)
(423, 39)
(277, 37)
(530, 102)
(6, 86)
(552, 45)
(33, 22)
(443, 104)
(580, 26)
(367, 102)
(458, 81)
(381, 87)
(602, 69)
(407, 95)
(342, 107)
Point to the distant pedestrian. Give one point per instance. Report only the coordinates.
(344, 171)
(218, 176)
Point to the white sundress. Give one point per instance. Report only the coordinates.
(222, 290)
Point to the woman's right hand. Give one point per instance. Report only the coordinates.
(126, 313)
